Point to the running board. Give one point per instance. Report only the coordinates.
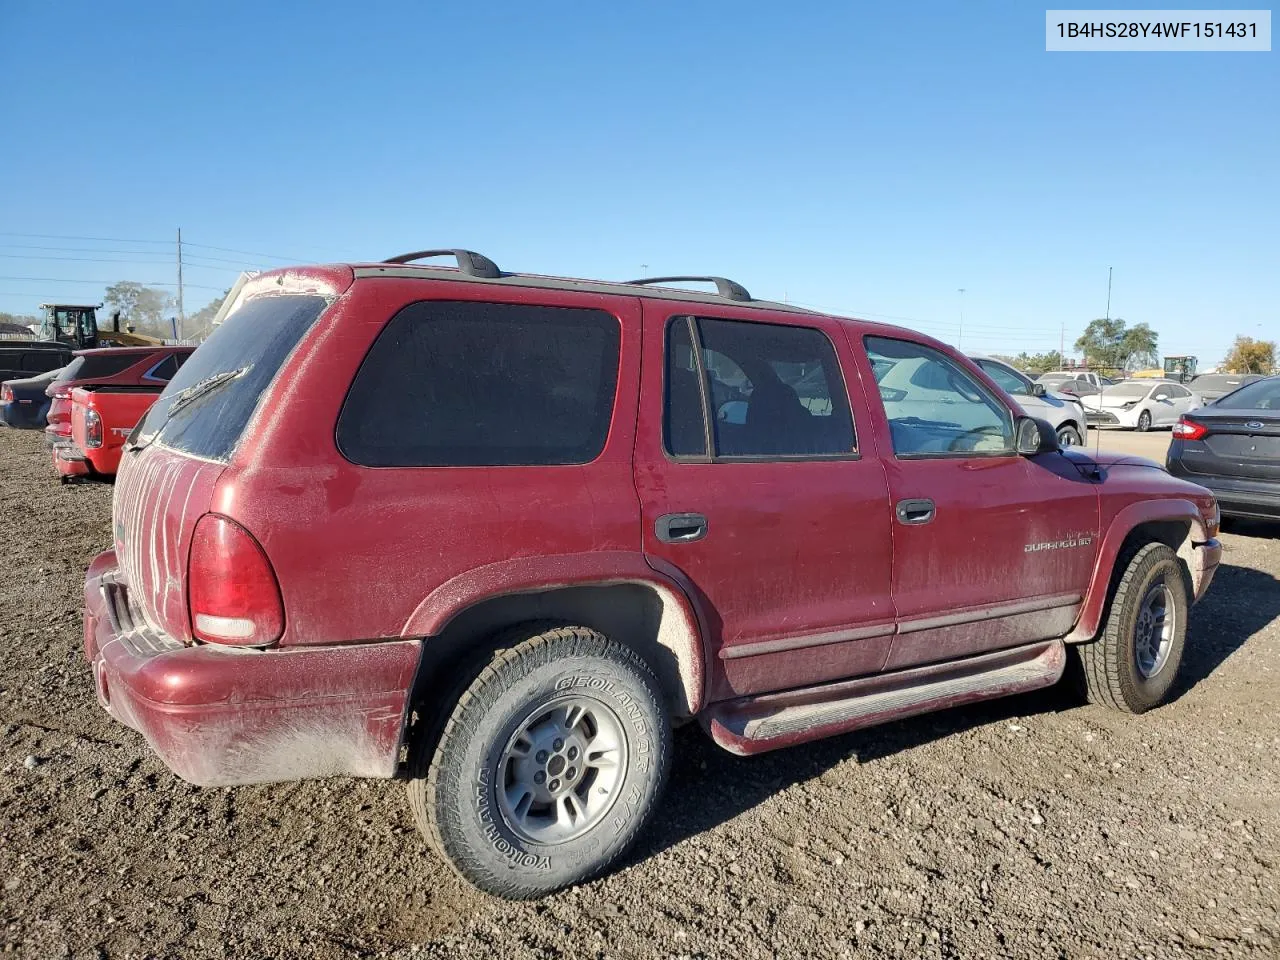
(756, 724)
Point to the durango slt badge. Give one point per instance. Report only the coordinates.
(1058, 544)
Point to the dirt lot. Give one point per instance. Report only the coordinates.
(1033, 827)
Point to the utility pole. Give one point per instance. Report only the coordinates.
(182, 317)
(1062, 344)
(960, 336)
(1108, 293)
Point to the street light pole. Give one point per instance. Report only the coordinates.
(960, 336)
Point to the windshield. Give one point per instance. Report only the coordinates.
(1259, 395)
(1128, 390)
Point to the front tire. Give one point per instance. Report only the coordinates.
(1144, 421)
(549, 766)
(1069, 436)
(1133, 663)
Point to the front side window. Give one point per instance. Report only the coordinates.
(934, 407)
(770, 391)
(465, 383)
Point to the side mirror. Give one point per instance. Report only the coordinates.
(1034, 437)
(1038, 390)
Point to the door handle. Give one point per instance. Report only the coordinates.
(915, 511)
(681, 527)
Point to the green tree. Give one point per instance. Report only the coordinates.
(1113, 344)
(200, 324)
(1038, 362)
(140, 306)
(1251, 356)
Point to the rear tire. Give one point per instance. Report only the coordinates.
(1133, 663)
(549, 766)
(1144, 421)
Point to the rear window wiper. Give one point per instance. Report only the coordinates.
(203, 388)
(189, 395)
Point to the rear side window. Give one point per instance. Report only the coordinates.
(772, 391)
(105, 364)
(462, 383)
(166, 368)
(221, 383)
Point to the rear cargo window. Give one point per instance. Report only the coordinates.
(227, 375)
(451, 383)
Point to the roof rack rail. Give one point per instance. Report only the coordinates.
(724, 287)
(469, 262)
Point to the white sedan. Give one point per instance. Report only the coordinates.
(1140, 404)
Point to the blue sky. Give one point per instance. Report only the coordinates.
(867, 159)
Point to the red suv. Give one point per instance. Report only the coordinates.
(495, 534)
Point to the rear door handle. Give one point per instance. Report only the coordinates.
(915, 511)
(681, 527)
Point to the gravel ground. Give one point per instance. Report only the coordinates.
(1031, 827)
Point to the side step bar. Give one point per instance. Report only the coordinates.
(756, 724)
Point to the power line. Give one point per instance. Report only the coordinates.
(59, 236)
(249, 253)
(27, 256)
(104, 283)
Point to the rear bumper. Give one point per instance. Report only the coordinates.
(221, 716)
(68, 459)
(22, 415)
(1236, 497)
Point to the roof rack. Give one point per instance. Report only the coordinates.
(724, 287)
(469, 262)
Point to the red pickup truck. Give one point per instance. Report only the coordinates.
(496, 534)
(142, 370)
(101, 419)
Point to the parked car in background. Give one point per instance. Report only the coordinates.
(1076, 389)
(1140, 404)
(509, 534)
(1232, 447)
(102, 417)
(1212, 386)
(150, 367)
(1096, 380)
(1063, 413)
(20, 359)
(24, 404)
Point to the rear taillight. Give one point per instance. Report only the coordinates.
(60, 394)
(1186, 429)
(232, 591)
(6, 394)
(92, 428)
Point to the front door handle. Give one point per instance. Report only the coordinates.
(915, 511)
(681, 527)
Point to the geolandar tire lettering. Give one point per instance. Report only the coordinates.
(1133, 663)
(549, 765)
